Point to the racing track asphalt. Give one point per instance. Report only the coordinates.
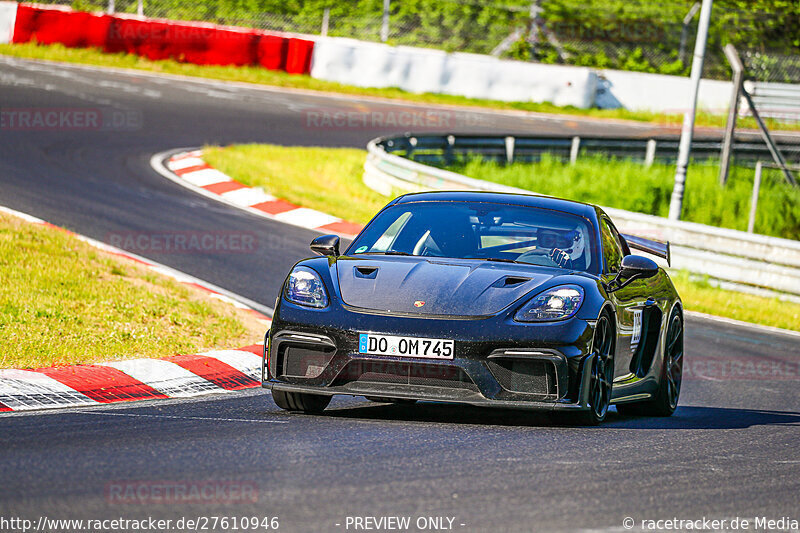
(730, 450)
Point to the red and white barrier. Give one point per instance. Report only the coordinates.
(190, 42)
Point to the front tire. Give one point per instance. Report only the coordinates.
(300, 401)
(602, 372)
(666, 399)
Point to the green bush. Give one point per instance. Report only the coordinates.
(628, 185)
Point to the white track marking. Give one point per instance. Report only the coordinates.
(177, 417)
(186, 162)
(307, 218)
(248, 196)
(24, 216)
(207, 176)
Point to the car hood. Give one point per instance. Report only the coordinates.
(448, 287)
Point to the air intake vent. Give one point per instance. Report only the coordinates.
(525, 377)
(304, 361)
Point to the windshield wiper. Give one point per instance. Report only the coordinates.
(387, 252)
(500, 260)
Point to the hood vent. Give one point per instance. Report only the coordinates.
(366, 272)
(510, 281)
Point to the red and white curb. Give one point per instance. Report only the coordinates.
(178, 376)
(190, 170)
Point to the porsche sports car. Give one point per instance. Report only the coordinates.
(481, 298)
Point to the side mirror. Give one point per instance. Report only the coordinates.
(326, 245)
(633, 267)
(637, 266)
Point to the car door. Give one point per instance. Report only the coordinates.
(629, 301)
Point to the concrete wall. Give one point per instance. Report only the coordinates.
(641, 91)
(424, 70)
(8, 15)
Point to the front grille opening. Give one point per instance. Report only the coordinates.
(303, 361)
(525, 377)
(400, 373)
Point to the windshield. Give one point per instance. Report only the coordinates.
(480, 230)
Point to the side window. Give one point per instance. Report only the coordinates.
(612, 251)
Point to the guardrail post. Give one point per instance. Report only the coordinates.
(754, 201)
(510, 141)
(574, 150)
(448, 151)
(410, 146)
(650, 154)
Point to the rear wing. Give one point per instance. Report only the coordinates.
(657, 248)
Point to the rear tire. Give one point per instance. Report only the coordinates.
(665, 400)
(301, 401)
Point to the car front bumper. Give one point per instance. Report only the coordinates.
(498, 362)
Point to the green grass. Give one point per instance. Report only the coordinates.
(628, 185)
(329, 179)
(702, 297)
(64, 302)
(257, 75)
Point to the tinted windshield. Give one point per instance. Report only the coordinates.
(477, 230)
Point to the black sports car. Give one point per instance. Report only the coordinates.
(481, 298)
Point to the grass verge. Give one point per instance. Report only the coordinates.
(329, 179)
(90, 56)
(701, 296)
(65, 302)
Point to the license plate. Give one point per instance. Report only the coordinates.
(405, 346)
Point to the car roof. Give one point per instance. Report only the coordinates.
(527, 200)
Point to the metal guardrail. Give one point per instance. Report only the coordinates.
(742, 258)
(776, 100)
(446, 149)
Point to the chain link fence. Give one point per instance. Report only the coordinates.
(638, 35)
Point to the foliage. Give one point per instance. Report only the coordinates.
(637, 35)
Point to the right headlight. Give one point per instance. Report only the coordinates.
(305, 287)
(558, 303)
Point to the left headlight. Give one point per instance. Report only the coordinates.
(557, 303)
(305, 287)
